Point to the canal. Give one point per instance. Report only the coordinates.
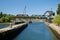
(36, 31)
(3, 25)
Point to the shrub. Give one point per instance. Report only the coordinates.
(56, 20)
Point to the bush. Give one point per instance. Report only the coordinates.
(56, 20)
(0, 20)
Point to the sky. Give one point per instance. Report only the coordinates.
(33, 7)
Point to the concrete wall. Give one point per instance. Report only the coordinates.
(10, 34)
(54, 30)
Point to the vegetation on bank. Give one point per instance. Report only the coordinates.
(56, 20)
(4, 18)
(58, 9)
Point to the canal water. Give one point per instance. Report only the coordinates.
(36, 31)
(3, 25)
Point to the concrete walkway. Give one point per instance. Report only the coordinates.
(55, 28)
(9, 28)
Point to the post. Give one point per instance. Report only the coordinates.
(11, 25)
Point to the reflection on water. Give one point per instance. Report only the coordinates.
(36, 31)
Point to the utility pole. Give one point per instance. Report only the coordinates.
(51, 9)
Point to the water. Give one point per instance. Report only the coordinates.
(36, 31)
(3, 25)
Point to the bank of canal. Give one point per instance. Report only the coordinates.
(36, 31)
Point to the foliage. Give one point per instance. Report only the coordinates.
(56, 20)
(0, 20)
(58, 9)
(5, 17)
(1, 14)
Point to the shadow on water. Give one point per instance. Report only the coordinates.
(36, 31)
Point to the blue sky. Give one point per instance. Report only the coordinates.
(32, 6)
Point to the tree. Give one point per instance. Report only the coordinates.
(58, 9)
(1, 14)
(6, 17)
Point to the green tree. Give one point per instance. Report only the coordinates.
(6, 17)
(58, 9)
(1, 14)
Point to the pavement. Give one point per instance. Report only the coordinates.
(10, 28)
(55, 28)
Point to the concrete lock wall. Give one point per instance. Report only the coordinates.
(10, 34)
(54, 30)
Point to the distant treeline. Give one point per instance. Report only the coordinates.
(5, 17)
